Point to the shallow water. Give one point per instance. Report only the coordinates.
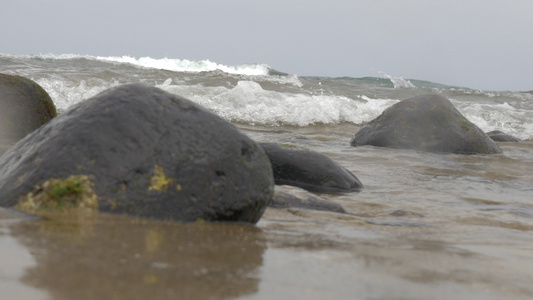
(426, 226)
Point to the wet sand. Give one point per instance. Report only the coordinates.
(290, 254)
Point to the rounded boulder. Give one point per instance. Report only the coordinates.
(429, 123)
(309, 170)
(499, 136)
(24, 106)
(139, 151)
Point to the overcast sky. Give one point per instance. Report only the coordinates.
(479, 44)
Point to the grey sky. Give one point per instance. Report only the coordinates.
(474, 43)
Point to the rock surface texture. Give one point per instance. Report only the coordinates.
(140, 151)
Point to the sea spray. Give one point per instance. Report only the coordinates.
(398, 81)
(256, 94)
(249, 103)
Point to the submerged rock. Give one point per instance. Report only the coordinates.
(499, 136)
(428, 123)
(143, 152)
(24, 107)
(292, 197)
(309, 170)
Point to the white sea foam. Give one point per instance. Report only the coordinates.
(398, 81)
(248, 102)
(66, 94)
(264, 99)
(503, 117)
(184, 65)
(170, 64)
(261, 71)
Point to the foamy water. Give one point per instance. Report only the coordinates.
(255, 94)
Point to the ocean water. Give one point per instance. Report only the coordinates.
(426, 226)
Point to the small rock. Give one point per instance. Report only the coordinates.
(292, 197)
(309, 170)
(499, 136)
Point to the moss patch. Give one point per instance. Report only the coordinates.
(159, 181)
(61, 194)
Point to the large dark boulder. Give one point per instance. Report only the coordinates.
(499, 136)
(24, 106)
(428, 123)
(309, 170)
(140, 151)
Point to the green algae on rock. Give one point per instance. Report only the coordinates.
(74, 191)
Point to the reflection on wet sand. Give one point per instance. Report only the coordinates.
(290, 254)
(348, 259)
(15, 259)
(110, 257)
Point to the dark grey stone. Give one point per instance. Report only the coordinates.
(24, 107)
(428, 123)
(499, 136)
(292, 197)
(309, 170)
(144, 152)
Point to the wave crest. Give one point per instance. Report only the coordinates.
(170, 64)
(248, 102)
(398, 81)
(185, 65)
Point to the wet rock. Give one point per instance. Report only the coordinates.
(499, 136)
(309, 170)
(292, 197)
(140, 151)
(112, 257)
(24, 107)
(428, 123)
